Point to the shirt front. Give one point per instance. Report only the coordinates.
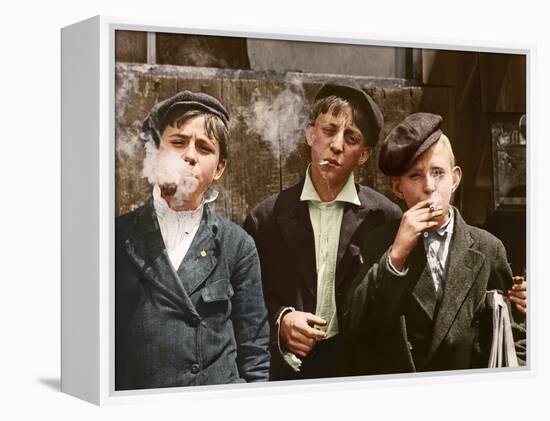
(326, 220)
(436, 245)
(178, 228)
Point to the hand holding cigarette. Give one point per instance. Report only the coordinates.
(423, 216)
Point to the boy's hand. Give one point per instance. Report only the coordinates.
(298, 334)
(518, 294)
(421, 217)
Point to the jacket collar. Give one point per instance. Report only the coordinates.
(145, 248)
(297, 232)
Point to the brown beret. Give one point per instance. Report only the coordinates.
(407, 141)
(361, 101)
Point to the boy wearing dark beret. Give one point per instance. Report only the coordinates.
(189, 306)
(419, 303)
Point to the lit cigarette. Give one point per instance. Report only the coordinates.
(323, 162)
(169, 188)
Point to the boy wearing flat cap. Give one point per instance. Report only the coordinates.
(308, 235)
(189, 306)
(419, 302)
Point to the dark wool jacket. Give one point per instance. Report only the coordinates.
(281, 227)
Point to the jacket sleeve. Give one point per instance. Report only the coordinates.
(374, 297)
(371, 304)
(273, 306)
(249, 315)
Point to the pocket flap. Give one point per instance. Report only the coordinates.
(220, 290)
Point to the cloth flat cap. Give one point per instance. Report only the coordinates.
(407, 141)
(184, 101)
(361, 101)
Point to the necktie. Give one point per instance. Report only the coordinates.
(434, 257)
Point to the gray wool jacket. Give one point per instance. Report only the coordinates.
(394, 324)
(205, 323)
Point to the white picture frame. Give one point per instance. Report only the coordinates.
(88, 209)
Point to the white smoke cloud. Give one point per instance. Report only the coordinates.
(128, 142)
(169, 170)
(280, 121)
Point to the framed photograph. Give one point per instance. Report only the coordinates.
(188, 233)
(509, 164)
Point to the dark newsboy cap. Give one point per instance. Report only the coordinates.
(361, 101)
(407, 141)
(184, 101)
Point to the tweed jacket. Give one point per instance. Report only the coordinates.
(394, 324)
(282, 230)
(205, 323)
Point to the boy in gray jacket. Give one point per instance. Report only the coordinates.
(189, 306)
(419, 303)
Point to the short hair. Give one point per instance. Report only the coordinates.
(213, 125)
(447, 144)
(336, 105)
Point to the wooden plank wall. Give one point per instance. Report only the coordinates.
(267, 149)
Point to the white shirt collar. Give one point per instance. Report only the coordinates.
(347, 194)
(448, 226)
(162, 208)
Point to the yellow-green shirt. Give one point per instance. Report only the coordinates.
(326, 219)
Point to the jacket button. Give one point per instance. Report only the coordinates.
(409, 345)
(195, 368)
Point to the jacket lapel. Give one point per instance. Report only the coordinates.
(463, 266)
(201, 258)
(353, 217)
(146, 249)
(423, 291)
(297, 232)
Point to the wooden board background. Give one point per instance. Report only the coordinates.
(267, 149)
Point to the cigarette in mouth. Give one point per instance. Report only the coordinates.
(323, 162)
(169, 188)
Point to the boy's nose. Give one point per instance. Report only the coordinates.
(337, 144)
(429, 185)
(190, 155)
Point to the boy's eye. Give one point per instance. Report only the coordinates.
(437, 173)
(352, 139)
(205, 149)
(328, 131)
(177, 143)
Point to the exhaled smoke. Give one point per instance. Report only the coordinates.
(281, 121)
(128, 144)
(436, 199)
(171, 173)
(128, 141)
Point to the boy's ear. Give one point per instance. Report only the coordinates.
(457, 176)
(220, 168)
(365, 155)
(309, 134)
(395, 186)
